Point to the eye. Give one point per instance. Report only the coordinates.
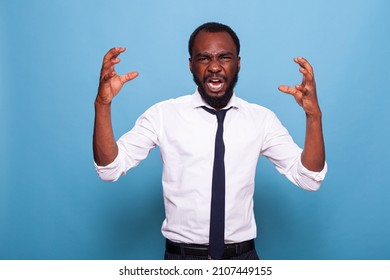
(225, 58)
(203, 59)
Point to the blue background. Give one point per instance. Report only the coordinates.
(52, 204)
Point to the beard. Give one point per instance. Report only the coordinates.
(220, 101)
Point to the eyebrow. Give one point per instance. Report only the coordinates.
(207, 54)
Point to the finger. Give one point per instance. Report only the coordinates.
(288, 89)
(302, 89)
(292, 91)
(304, 65)
(110, 59)
(113, 53)
(108, 66)
(128, 77)
(106, 77)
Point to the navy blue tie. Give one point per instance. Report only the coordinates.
(217, 215)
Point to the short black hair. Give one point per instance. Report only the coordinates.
(213, 27)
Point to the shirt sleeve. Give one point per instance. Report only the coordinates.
(133, 147)
(310, 180)
(285, 154)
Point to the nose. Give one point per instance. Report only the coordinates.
(214, 66)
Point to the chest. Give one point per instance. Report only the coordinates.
(193, 135)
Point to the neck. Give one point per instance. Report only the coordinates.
(216, 102)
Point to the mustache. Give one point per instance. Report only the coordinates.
(215, 76)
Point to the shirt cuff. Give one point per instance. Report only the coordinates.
(314, 175)
(110, 172)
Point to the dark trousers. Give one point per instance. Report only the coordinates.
(251, 255)
(237, 251)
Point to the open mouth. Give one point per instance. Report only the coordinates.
(215, 85)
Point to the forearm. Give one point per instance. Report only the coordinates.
(105, 148)
(313, 155)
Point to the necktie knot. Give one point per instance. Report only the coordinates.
(219, 113)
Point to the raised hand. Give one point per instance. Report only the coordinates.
(313, 154)
(110, 82)
(305, 93)
(105, 148)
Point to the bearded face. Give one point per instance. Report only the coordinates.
(215, 66)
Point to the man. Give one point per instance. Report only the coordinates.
(209, 162)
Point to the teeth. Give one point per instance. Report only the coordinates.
(213, 87)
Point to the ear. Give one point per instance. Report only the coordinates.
(239, 63)
(190, 63)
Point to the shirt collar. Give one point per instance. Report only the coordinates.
(198, 101)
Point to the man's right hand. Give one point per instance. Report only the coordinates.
(105, 148)
(110, 82)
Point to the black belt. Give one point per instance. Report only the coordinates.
(230, 250)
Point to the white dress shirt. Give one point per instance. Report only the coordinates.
(185, 134)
